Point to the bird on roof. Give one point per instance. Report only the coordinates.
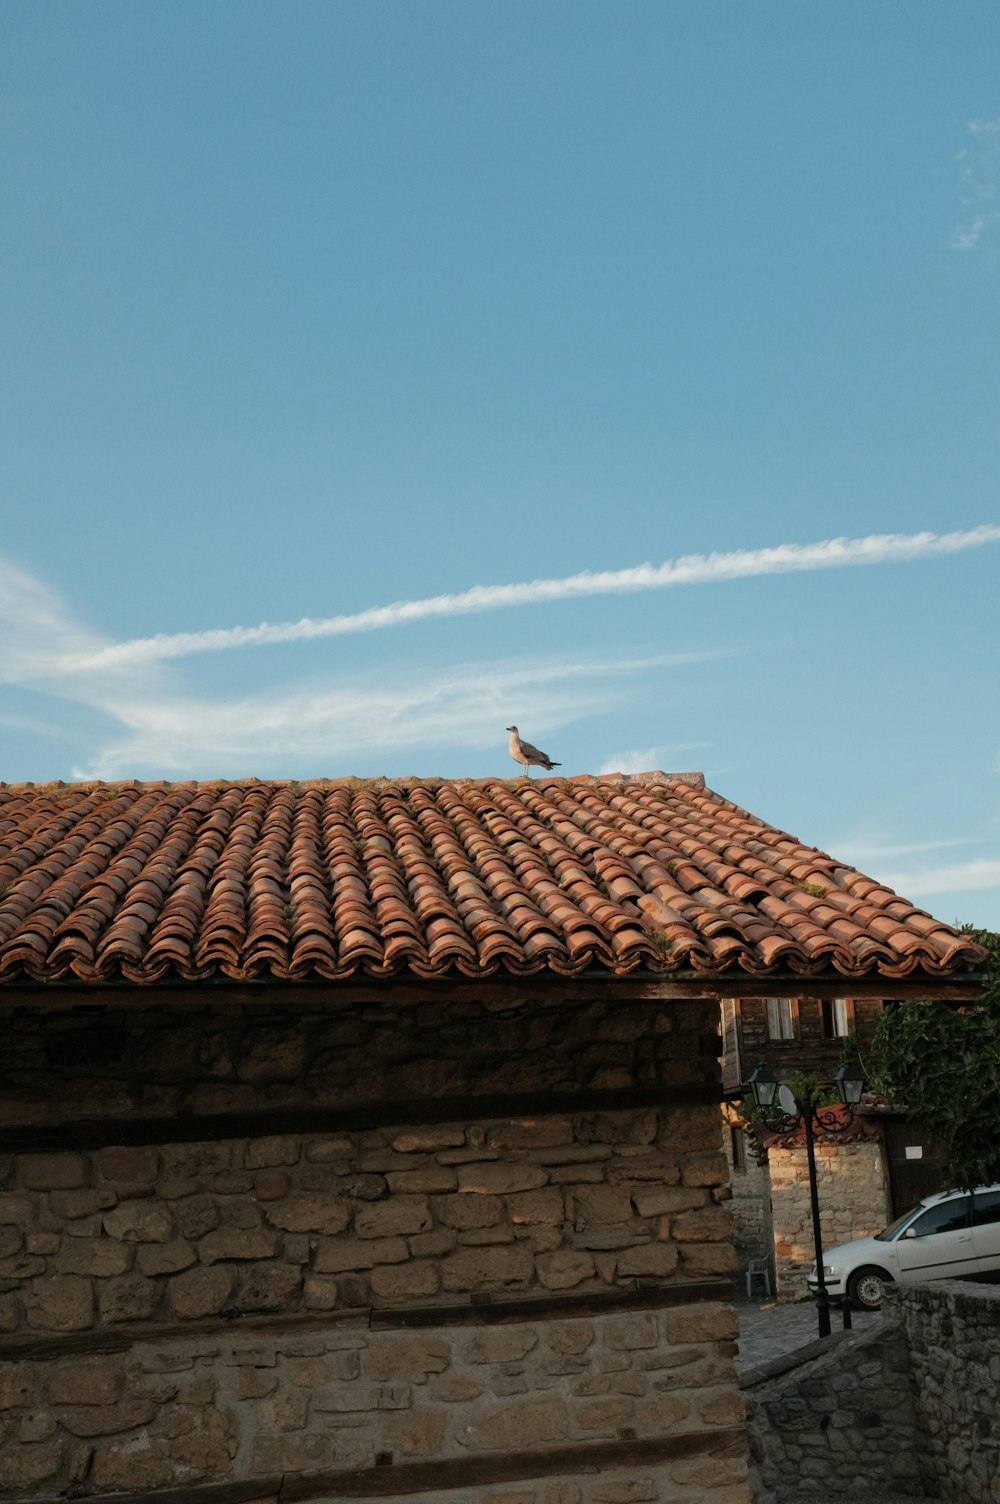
(527, 755)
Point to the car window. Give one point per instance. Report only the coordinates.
(986, 1207)
(888, 1233)
(947, 1216)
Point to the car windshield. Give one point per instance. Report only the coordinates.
(895, 1228)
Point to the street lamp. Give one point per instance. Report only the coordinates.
(813, 1116)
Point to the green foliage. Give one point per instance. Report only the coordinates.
(801, 1084)
(943, 1065)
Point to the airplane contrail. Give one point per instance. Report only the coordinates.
(692, 569)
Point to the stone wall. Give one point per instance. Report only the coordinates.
(853, 1198)
(228, 1406)
(320, 1222)
(473, 1243)
(845, 1421)
(952, 1330)
(289, 1050)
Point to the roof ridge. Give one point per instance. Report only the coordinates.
(350, 780)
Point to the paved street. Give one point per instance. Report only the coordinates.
(771, 1331)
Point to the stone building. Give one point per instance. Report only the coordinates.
(362, 1139)
(867, 1175)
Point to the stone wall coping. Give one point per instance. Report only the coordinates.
(957, 1292)
(816, 1357)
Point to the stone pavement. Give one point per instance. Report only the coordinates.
(769, 1330)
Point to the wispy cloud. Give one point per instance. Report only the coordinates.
(692, 569)
(643, 759)
(865, 851)
(961, 877)
(459, 708)
(153, 724)
(979, 170)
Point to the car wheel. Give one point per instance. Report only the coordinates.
(865, 1287)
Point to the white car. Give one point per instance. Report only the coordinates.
(952, 1235)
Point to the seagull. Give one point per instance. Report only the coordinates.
(526, 754)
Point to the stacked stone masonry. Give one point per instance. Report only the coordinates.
(411, 1215)
(247, 1301)
(952, 1331)
(166, 1059)
(229, 1406)
(847, 1415)
(853, 1199)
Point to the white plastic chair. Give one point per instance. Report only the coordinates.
(759, 1269)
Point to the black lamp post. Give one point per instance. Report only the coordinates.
(765, 1086)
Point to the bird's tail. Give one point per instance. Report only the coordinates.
(551, 764)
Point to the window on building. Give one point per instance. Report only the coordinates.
(782, 1018)
(738, 1141)
(838, 1017)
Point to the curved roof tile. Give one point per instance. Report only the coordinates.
(330, 879)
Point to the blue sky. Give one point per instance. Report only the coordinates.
(313, 308)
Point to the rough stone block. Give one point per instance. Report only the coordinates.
(237, 1243)
(710, 1224)
(603, 1416)
(268, 1287)
(648, 1260)
(351, 1253)
(655, 1201)
(140, 1222)
(704, 1169)
(400, 1216)
(501, 1344)
(429, 1140)
(16, 1211)
(518, 1426)
(707, 1258)
(195, 1216)
(319, 1294)
(500, 1179)
(545, 1207)
(53, 1172)
(165, 1258)
(703, 1323)
(315, 1213)
(128, 1166)
(26, 1466)
(200, 1292)
(628, 1333)
(488, 1268)
(17, 1386)
(415, 1434)
(432, 1245)
(602, 1203)
(433, 1178)
(101, 1257)
(84, 1384)
(106, 1420)
(195, 1161)
(272, 1185)
(530, 1133)
(564, 1268)
(406, 1281)
(129, 1297)
(60, 1303)
(409, 1358)
(466, 1212)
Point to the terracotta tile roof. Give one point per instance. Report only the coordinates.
(328, 879)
